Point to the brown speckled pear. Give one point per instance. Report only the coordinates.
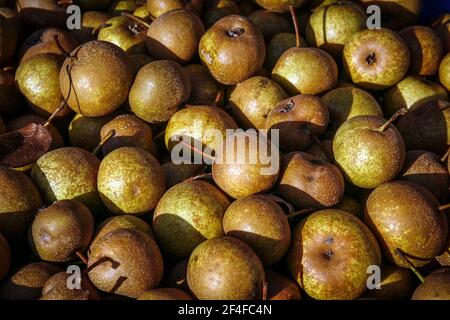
(298, 119)
(195, 122)
(164, 294)
(5, 257)
(348, 102)
(420, 228)
(19, 201)
(279, 5)
(43, 13)
(204, 88)
(261, 223)
(188, 214)
(331, 27)
(396, 283)
(158, 7)
(127, 261)
(175, 36)
(270, 23)
(129, 131)
(376, 58)
(123, 222)
(330, 253)
(125, 33)
(278, 45)
(237, 271)
(322, 149)
(308, 182)
(68, 173)
(253, 99)
(130, 181)
(426, 169)
(250, 171)
(232, 49)
(159, 89)
(411, 93)
(367, 154)
(444, 72)
(56, 288)
(281, 288)
(97, 69)
(435, 287)
(61, 230)
(38, 80)
(27, 282)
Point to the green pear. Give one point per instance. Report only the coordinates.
(278, 45)
(444, 72)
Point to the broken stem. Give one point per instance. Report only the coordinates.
(110, 134)
(82, 257)
(411, 266)
(54, 114)
(444, 207)
(445, 156)
(399, 113)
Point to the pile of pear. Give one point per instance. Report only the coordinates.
(358, 186)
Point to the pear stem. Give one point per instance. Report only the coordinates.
(63, 2)
(399, 113)
(110, 134)
(137, 19)
(200, 176)
(264, 291)
(411, 266)
(82, 257)
(54, 114)
(8, 68)
(445, 156)
(159, 135)
(299, 212)
(218, 98)
(277, 199)
(444, 207)
(296, 28)
(198, 150)
(60, 47)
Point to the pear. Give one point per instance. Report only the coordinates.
(84, 132)
(139, 60)
(307, 182)
(270, 23)
(369, 151)
(124, 32)
(396, 283)
(444, 72)
(164, 294)
(9, 30)
(412, 92)
(89, 5)
(106, 68)
(178, 172)
(19, 201)
(188, 214)
(331, 27)
(396, 14)
(119, 6)
(68, 173)
(442, 28)
(125, 262)
(261, 223)
(38, 80)
(420, 228)
(10, 98)
(330, 253)
(27, 282)
(130, 181)
(56, 288)
(177, 277)
(5, 255)
(376, 58)
(204, 88)
(91, 22)
(435, 287)
(251, 170)
(281, 288)
(427, 127)
(237, 271)
(142, 12)
(123, 222)
(444, 258)
(278, 45)
(159, 7)
(232, 49)
(279, 5)
(253, 99)
(43, 13)
(129, 131)
(61, 230)
(322, 149)
(298, 120)
(426, 48)
(426, 169)
(217, 9)
(175, 36)
(311, 5)
(196, 122)
(350, 205)
(347, 102)
(159, 89)
(50, 40)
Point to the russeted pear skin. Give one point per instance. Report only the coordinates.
(444, 71)
(396, 283)
(101, 74)
(5, 257)
(281, 288)
(262, 224)
(188, 214)
(130, 181)
(56, 288)
(159, 89)
(123, 222)
(412, 211)
(279, 6)
(61, 230)
(366, 156)
(164, 294)
(225, 268)
(68, 173)
(19, 201)
(330, 253)
(232, 49)
(128, 262)
(435, 287)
